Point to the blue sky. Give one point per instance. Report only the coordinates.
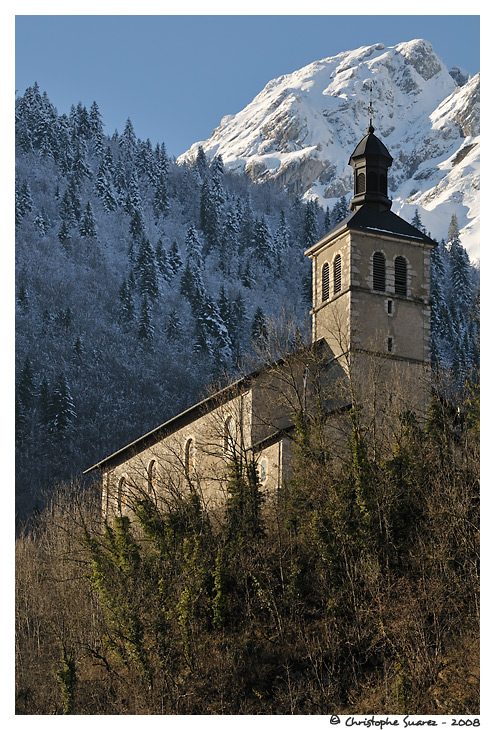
(177, 76)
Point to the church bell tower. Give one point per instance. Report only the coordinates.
(371, 273)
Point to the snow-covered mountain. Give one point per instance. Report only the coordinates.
(302, 127)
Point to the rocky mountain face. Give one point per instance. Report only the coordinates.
(302, 127)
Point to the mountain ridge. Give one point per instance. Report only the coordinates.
(300, 129)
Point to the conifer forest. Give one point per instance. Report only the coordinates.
(141, 284)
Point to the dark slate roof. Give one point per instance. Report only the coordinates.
(371, 145)
(198, 409)
(384, 223)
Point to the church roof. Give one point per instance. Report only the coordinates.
(181, 419)
(200, 409)
(383, 222)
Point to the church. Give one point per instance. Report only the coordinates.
(370, 326)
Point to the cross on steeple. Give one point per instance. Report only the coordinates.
(370, 110)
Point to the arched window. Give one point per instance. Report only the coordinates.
(360, 183)
(152, 477)
(189, 456)
(263, 470)
(122, 493)
(337, 274)
(378, 271)
(229, 436)
(325, 282)
(401, 275)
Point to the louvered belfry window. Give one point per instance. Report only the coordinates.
(361, 183)
(378, 271)
(337, 274)
(325, 282)
(401, 275)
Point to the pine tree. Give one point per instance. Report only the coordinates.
(247, 278)
(460, 270)
(201, 162)
(187, 283)
(64, 235)
(439, 307)
(96, 128)
(263, 244)
(146, 270)
(310, 232)
(136, 226)
(87, 227)
(74, 198)
(77, 352)
(41, 222)
(24, 201)
(145, 329)
(145, 161)
(238, 318)
(104, 186)
(209, 216)
(229, 241)
(193, 247)
(62, 409)
(66, 210)
(163, 262)
(224, 304)
(83, 122)
(259, 330)
(174, 257)
(282, 234)
(339, 211)
(417, 222)
(161, 205)
(328, 225)
(173, 328)
(217, 172)
(127, 143)
(126, 313)
(161, 160)
(80, 168)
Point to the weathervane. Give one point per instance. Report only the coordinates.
(370, 110)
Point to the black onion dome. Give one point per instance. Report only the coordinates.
(371, 145)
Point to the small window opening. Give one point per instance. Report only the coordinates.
(122, 493)
(390, 344)
(360, 183)
(378, 271)
(389, 306)
(229, 436)
(263, 471)
(189, 457)
(152, 477)
(325, 282)
(337, 274)
(401, 275)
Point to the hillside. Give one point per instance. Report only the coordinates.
(140, 281)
